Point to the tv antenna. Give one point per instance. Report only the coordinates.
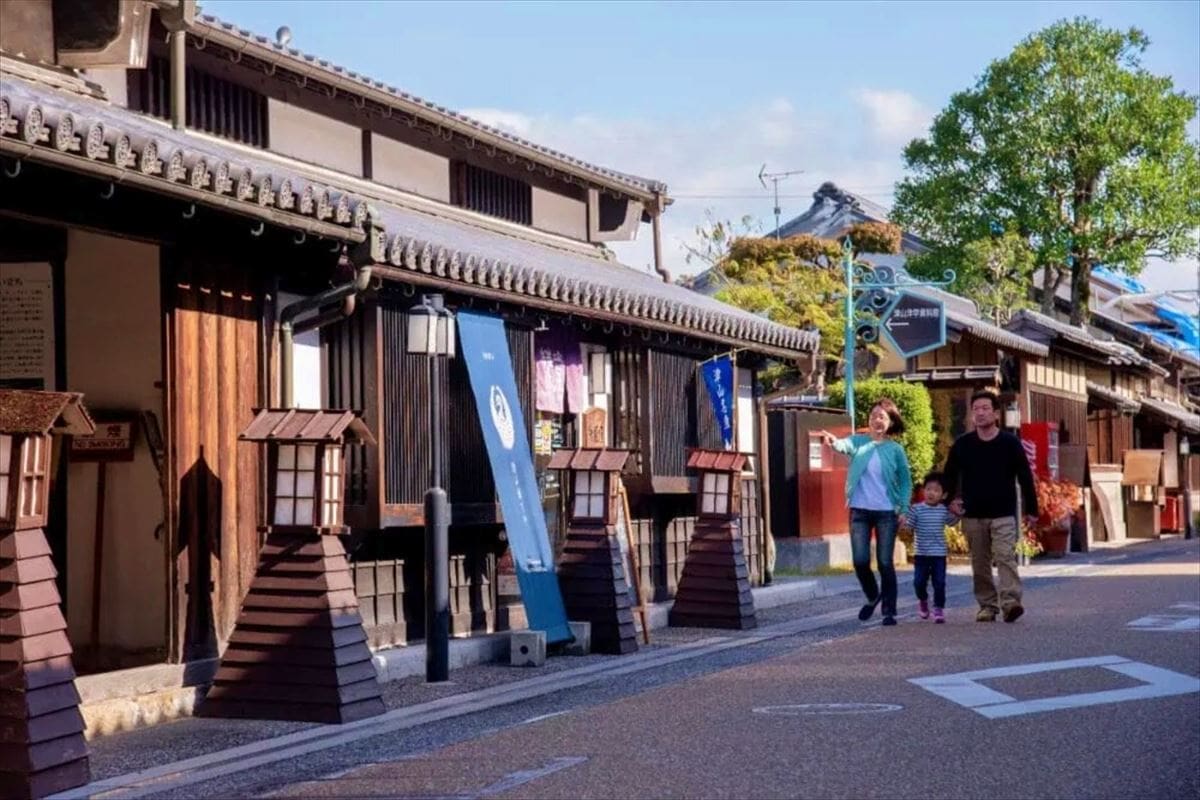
(775, 178)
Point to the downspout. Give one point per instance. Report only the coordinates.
(288, 327)
(656, 227)
(363, 258)
(176, 20)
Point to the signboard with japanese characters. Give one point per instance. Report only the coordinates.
(114, 439)
(27, 327)
(915, 324)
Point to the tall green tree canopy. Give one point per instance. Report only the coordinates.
(1068, 143)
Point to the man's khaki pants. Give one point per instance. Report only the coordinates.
(994, 541)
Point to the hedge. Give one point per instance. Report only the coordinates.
(912, 399)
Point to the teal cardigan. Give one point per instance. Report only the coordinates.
(892, 461)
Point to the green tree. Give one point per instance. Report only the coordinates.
(916, 407)
(1069, 143)
(997, 273)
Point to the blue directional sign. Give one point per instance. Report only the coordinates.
(914, 324)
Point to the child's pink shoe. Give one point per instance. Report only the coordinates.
(923, 609)
(938, 616)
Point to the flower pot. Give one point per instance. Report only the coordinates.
(1055, 540)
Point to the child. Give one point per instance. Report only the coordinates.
(928, 522)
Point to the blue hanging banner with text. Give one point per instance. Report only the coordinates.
(489, 365)
(718, 377)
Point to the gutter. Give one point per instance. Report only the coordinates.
(348, 293)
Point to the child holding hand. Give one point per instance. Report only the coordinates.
(928, 521)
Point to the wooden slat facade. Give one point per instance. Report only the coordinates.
(214, 354)
(1110, 434)
(1071, 415)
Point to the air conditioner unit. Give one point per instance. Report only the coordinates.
(101, 33)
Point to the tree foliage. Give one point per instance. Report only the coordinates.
(915, 406)
(1071, 145)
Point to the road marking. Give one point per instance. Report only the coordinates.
(963, 687)
(816, 709)
(516, 779)
(1166, 623)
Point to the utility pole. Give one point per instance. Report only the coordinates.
(775, 178)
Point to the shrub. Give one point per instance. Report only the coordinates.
(915, 406)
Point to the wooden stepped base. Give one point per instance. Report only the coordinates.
(298, 651)
(591, 573)
(42, 749)
(714, 589)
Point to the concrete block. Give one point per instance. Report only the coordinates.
(527, 648)
(582, 631)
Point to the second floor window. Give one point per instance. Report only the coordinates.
(493, 194)
(214, 105)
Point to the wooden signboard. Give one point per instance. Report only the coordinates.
(595, 428)
(114, 439)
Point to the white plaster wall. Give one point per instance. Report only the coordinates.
(558, 214)
(114, 83)
(301, 134)
(409, 168)
(114, 356)
(306, 362)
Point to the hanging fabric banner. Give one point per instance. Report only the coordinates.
(489, 365)
(718, 377)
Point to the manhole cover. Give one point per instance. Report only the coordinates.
(813, 709)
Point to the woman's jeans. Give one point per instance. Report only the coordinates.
(884, 523)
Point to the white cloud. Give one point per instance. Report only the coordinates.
(710, 161)
(894, 116)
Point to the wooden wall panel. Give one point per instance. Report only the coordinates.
(1070, 414)
(214, 357)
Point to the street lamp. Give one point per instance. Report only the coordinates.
(1185, 449)
(431, 333)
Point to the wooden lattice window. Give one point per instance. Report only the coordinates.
(714, 493)
(295, 484)
(213, 105)
(331, 496)
(493, 194)
(35, 464)
(589, 495)
(6, 473)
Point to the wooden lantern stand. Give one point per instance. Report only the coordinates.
(714, 590)
(591, 570)
(299, 651)
(42, 749)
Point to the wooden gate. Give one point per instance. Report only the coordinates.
(214, 346)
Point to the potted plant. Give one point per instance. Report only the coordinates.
(1057, 502)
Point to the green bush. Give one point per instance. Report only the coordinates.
(915, 406)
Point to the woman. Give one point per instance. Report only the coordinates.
(878, 491)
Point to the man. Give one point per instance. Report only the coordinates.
(984, 468)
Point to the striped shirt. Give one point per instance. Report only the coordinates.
(928, 524)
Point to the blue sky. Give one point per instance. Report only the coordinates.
(702, 94)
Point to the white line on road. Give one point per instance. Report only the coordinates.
(963, 687)
(516, 779)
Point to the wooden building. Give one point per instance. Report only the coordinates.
(154, 241)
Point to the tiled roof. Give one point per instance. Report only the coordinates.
(40, 123)
(717, 460)
(306, 425)
(1173, 413)
(1111, 352)
(248, 42)
(1124, 404)
(589, 459)
(29, 412)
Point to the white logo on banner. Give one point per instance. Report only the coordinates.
(502, 418)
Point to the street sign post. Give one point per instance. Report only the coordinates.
(915, 324)
(873, 293)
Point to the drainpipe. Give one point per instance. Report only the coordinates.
(288, 327)
(656, 227)
(176, 20)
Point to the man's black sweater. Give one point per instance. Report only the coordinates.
(988, 472)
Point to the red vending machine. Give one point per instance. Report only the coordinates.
(1044, 438)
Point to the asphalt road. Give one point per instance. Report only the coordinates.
(730, 733)
(715, 715)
